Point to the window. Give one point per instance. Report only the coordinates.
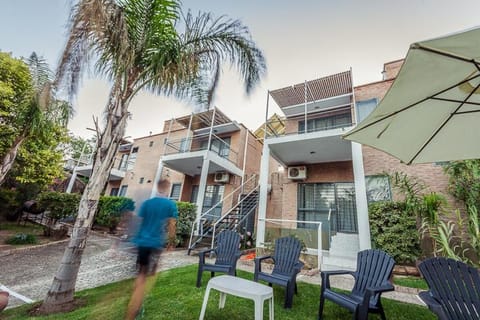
(123, 162)
(123, 191)
(141, 180)
(150, 144)
(114, 192)
(132, 158)
(220, 147)
(378, 188)
(326, 123)
(194, 195)
(213, 195)
(175, 192)
(364, 108)
(316, 201)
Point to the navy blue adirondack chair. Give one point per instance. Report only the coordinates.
(227, 252)
(286, 267)
(454, 289)
(372, 277)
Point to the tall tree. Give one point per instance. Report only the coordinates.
(141, 45)
(35, 113)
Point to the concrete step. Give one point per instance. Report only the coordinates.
(338, 262)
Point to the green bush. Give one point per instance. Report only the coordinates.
(187, 213)
(58, 204)
(22, 238)
(394, 230)
(111, 209)
(9, 203)
(109, 213)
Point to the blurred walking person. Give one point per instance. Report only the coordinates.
(158, 216)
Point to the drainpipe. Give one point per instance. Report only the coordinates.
(244, 158)
(305, 128)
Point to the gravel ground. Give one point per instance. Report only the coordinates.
(30, 272)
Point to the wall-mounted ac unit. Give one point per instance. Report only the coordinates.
(221, 177)
(297, 173)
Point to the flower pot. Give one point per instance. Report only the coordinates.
(3, 299)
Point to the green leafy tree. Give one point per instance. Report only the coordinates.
(141, 45)
(29, 112)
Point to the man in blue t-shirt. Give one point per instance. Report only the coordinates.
(158, 219)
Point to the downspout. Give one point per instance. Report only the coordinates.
(305, 130)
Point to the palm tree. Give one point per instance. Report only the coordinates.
(141, 45)
(39, 115)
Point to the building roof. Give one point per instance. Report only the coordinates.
(275, 127)
(323, 88)
(204, 119)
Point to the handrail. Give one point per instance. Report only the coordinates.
(228, 212)
(198, 220)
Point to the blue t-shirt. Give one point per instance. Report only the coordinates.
(155, 214)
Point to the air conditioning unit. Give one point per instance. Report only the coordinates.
(297, 173)
(221, 177)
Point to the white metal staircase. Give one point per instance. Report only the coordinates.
(237, 217)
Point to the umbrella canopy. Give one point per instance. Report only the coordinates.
(432, 111)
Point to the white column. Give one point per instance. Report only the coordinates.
(361, 197)
(71, 182)
(202, 186)
(263, 194)
(158, 176)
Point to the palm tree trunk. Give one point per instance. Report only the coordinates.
(9, 159)
(61, 293)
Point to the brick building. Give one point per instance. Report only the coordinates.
(310, 175)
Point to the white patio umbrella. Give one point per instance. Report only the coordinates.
(432, 111)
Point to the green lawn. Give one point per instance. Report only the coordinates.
(411, 282)
(175, 296)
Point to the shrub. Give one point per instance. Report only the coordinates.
(394, 230)
(111, 209)
(9, 203)
(187, 212)
(58, 204)
(109, 213)
(22, 238)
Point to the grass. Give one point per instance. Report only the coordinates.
(411, 282)
(15, 227)
(175, 296)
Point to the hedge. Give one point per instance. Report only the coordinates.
(61, 205)
(187, 213)
(394, 230)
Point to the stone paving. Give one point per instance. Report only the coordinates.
(29, 272)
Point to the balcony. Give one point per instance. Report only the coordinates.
(316, 113)
(84, 164)
(186, 155)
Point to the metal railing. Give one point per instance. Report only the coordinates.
(200, 225)
(245, 200)
(200, 143)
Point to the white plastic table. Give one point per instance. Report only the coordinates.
(241, 288)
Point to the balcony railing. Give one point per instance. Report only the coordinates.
(200, 143)
(284, 126)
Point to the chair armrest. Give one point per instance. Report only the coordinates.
(201, 255)
(432, 304)
(325, 275)
(371, 291)
(383, 288)
(298, 266)
(258, 263)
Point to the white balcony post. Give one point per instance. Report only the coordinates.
(202, 187)
(263, 195)
(71, 182)
(211, 129)
(361, 197)
(158, 176)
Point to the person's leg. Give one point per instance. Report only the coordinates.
(139, 287)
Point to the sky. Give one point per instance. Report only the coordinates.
(302, 40)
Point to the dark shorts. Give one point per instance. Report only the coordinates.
(147, 258)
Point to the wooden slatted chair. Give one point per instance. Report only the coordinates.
(374, 269)
(227, 252)
(454, 289)
(286, 267)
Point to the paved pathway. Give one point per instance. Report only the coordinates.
(30, 272)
